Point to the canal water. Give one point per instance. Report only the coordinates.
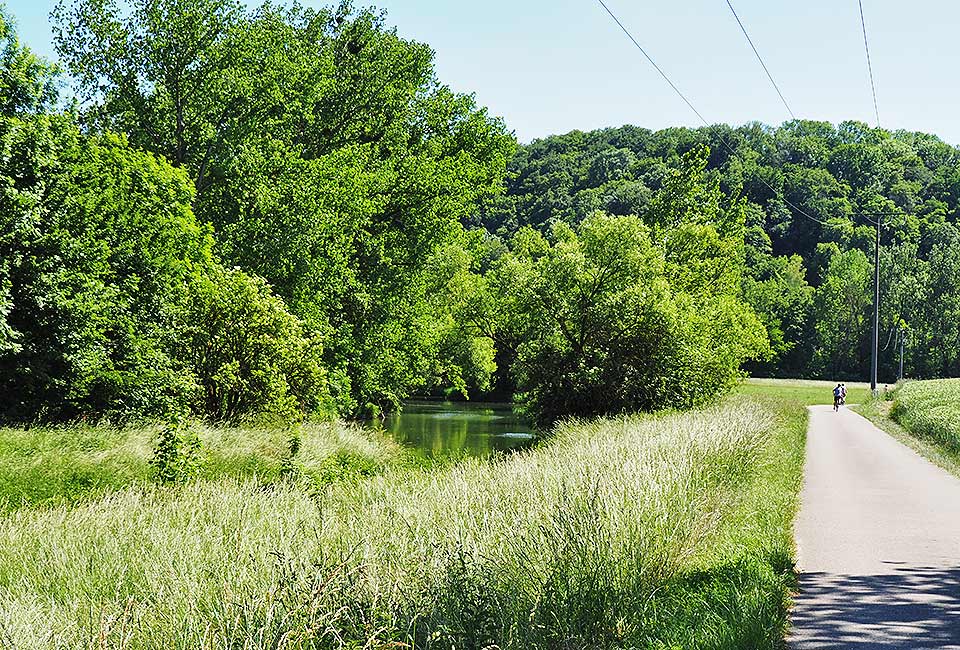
(438, 428)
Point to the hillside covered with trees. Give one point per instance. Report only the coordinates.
(228, 229)
(809, 192)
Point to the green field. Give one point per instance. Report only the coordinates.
(930, 410)
(651, 531)
(805, 391)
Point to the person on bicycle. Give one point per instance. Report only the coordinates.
(837, 396)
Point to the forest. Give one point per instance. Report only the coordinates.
(274, 210)
(810, 193)
(282, 210)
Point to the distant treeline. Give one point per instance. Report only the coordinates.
(810, 192)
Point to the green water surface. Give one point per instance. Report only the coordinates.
(439, 428)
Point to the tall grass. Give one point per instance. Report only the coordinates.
(930, 409)
(659, 532)
(67, 464)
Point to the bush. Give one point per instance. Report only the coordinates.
(177, 454)
(111, 304)
(604, 320)
(97, 241)
(245, 351)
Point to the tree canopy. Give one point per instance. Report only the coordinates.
(809, 191)
(323, 150)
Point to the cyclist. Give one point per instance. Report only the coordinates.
(837, 397)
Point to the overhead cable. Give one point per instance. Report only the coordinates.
(866, 48)
(680, 94)
(760, 59)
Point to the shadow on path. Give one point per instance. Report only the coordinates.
(910, 607)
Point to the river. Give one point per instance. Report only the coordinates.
(437, 428)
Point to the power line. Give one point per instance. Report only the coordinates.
(876, 297)
(733, 152)
(866, 47)
(875, 347)
(875, 343)
(652, 62)
(666, 78)
(865, 215)
(760, 59)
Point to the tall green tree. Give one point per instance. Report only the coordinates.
(624, 313)
(103, 267)
(842, 311)
(599, 324)
(28, 83)
(323, 150)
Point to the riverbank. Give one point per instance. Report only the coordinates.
(49, 466)
(657, 531)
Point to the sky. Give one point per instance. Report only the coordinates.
(552, 66)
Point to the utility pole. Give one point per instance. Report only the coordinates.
(903, 336)
(876, 311)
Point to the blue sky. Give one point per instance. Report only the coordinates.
(554, 66)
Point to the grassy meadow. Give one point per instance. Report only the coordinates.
(68, 464)
(662, 531)
(810, 392)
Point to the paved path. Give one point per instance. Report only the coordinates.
(879, 542)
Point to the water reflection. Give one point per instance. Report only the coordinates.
(458, 428)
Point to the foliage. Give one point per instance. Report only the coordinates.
(394, 226)
(785, 175)
(842, 309)
(323, 150)
(107, 274)
(27, 83)
(98, 239)
(176, 454)
(624, 314)
(246, 352)
(667, 531)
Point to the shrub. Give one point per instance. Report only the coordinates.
(247, 353)
(111, 304)
(605, 320)
(96, 241)
(176, 456)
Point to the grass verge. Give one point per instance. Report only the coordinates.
(925, 416)
(669, 531)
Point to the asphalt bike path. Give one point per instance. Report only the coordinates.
(878, 536)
